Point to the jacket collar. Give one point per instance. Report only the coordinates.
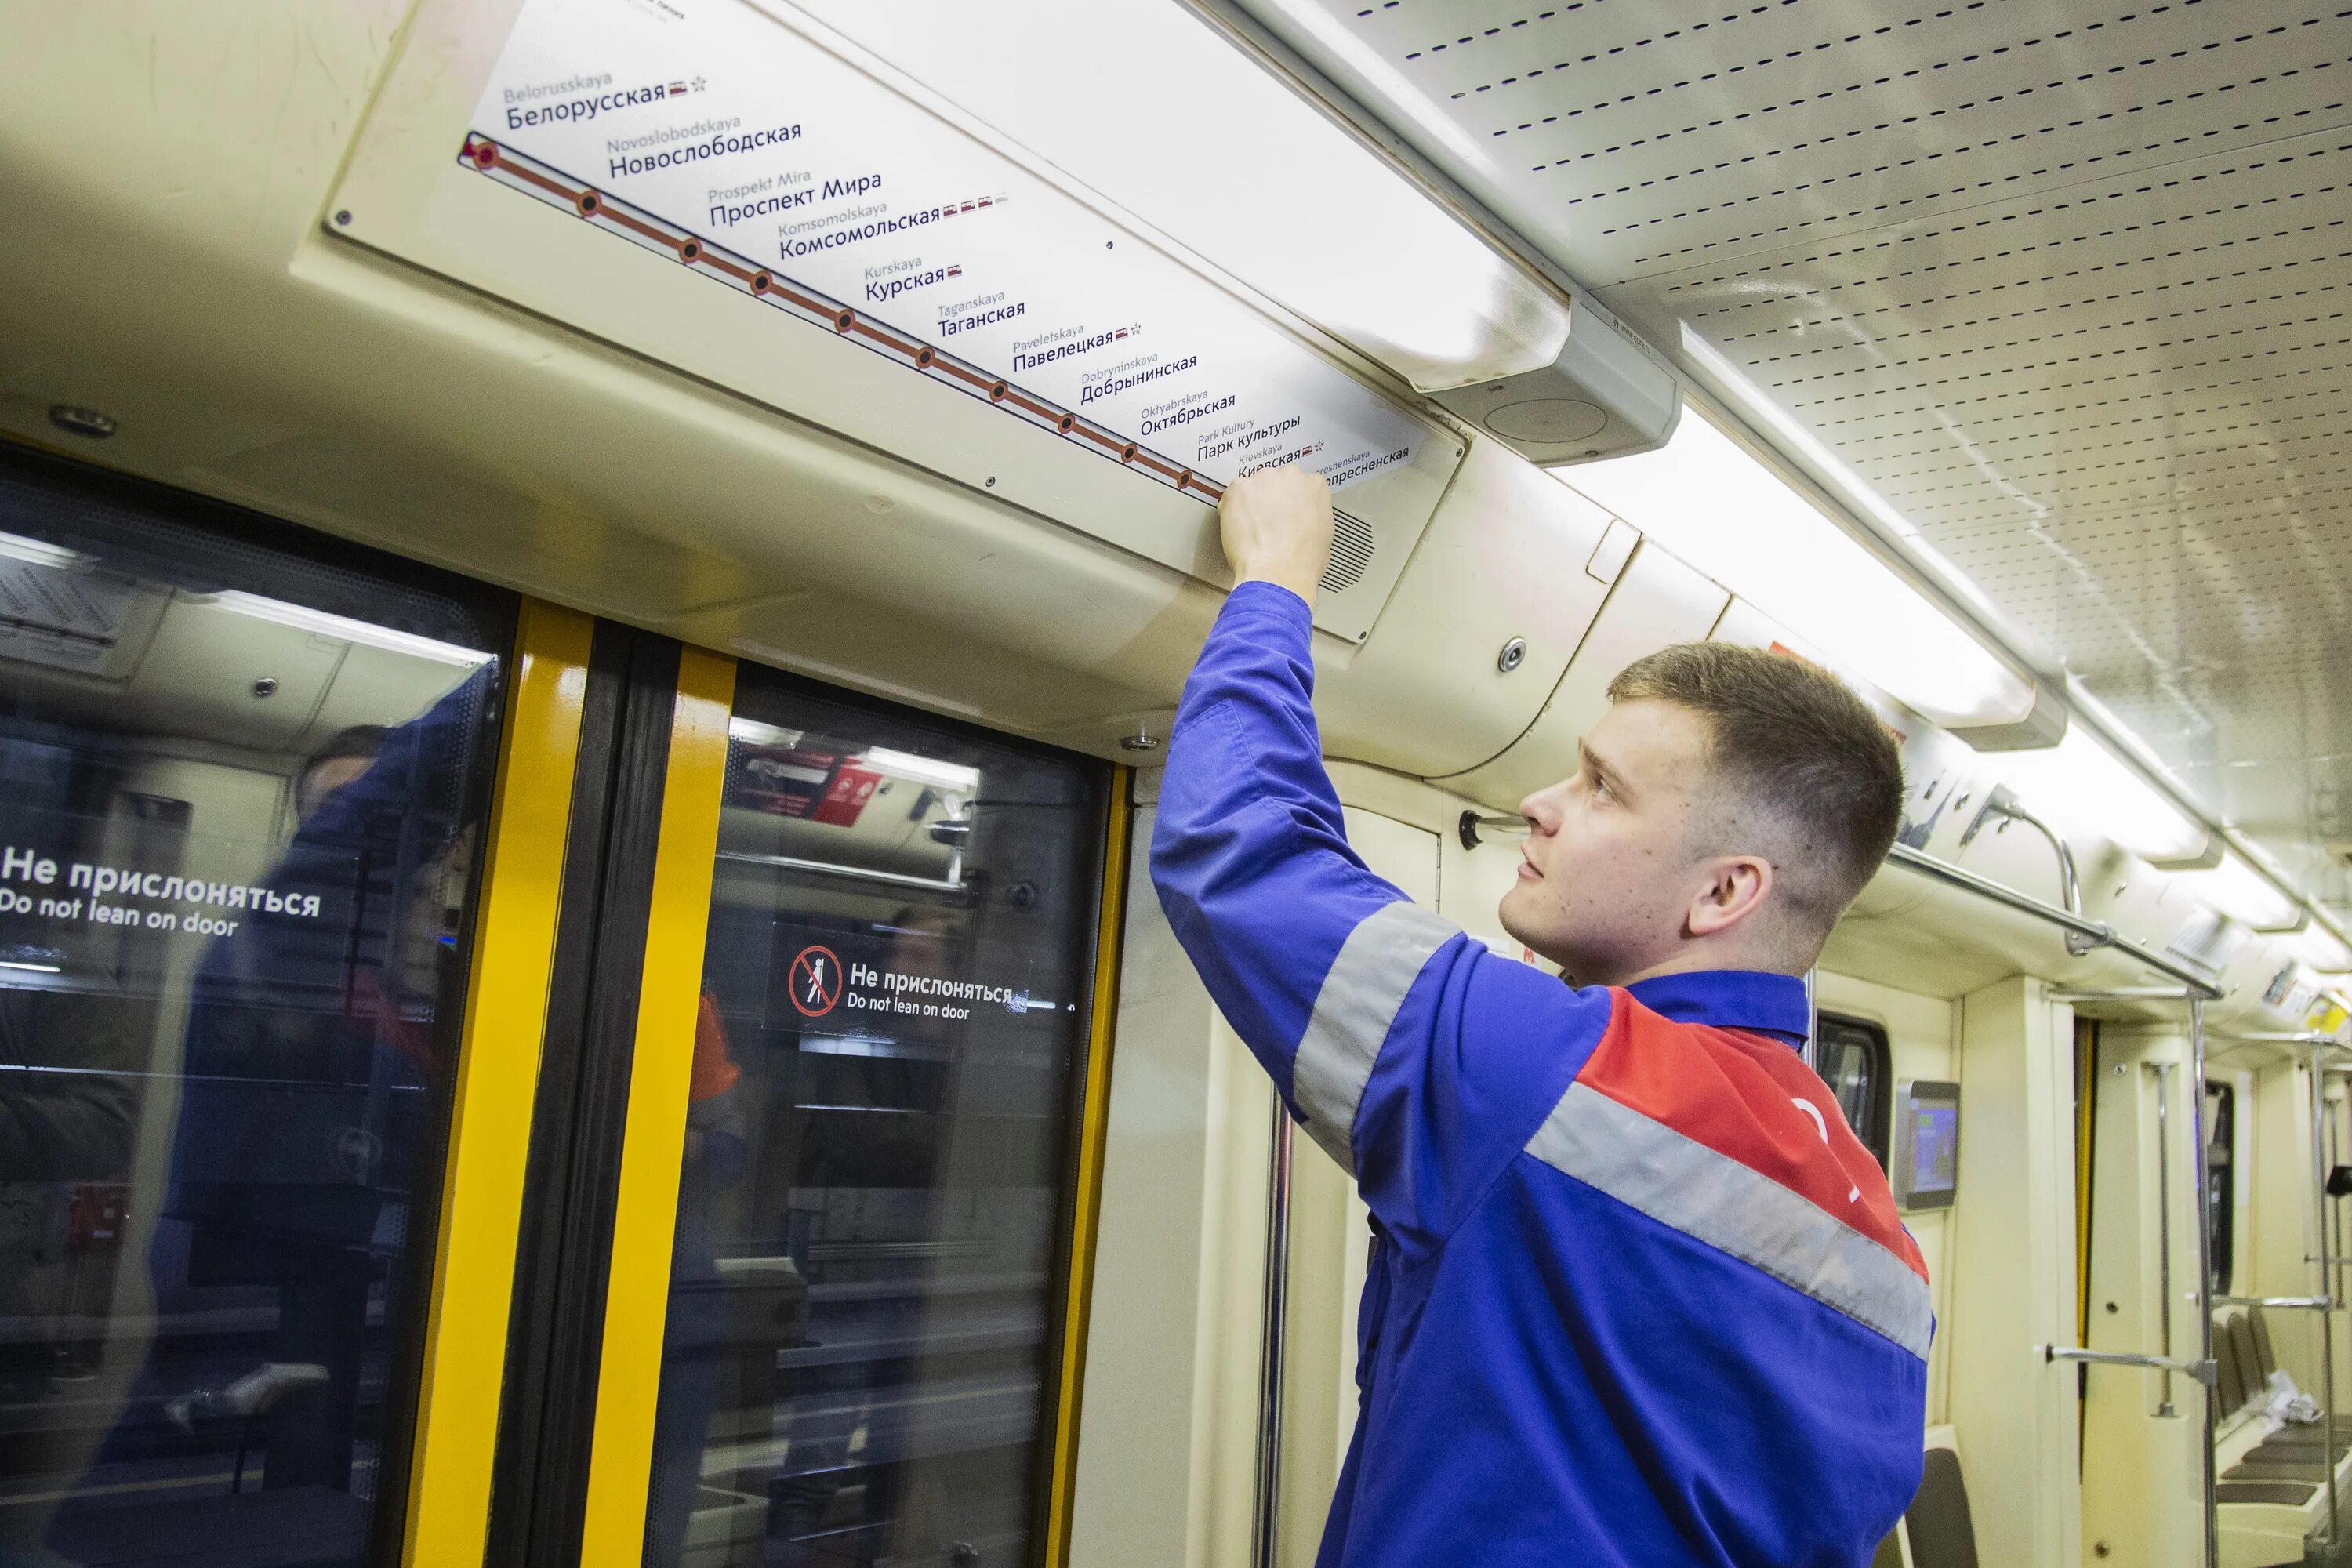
(1730, 999)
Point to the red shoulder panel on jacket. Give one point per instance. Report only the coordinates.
(1751, 1100)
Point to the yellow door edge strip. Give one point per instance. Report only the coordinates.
(652, 1138)
(1094, 1126)
(472, 1287)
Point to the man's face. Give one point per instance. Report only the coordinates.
(1608, 874)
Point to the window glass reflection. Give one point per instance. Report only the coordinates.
(240, 800)
(873, 1204)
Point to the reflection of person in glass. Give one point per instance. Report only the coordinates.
(313, 1042)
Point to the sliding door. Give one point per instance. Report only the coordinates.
(805, 1250)
(244, 781)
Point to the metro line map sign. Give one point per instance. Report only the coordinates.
(714, 133)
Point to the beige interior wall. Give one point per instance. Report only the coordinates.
(2011, 1251)
(2279, 1238)
(1165, 1461)
(2142, 1486)
(1923, 1039)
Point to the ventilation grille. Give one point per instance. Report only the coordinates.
(1352, 543)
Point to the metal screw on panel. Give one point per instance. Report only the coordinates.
(1514, 654)
(1142, 741)
(266, 687)
(991, 481)
(86, 422)
(2102, 1548)
(343, 218)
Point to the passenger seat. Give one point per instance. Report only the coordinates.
(2241, 1346)
(1937, 1526)
(2269, 1487)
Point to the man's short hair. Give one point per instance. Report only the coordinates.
(1794, 744)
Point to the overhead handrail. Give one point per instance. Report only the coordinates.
(2002, 802)
(2098, 934)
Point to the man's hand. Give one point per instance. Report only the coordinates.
(1277, 529)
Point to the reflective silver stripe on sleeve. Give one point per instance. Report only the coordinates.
(1715, 1199)
(1367, 984)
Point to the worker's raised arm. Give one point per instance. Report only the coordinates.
(1406, 1051)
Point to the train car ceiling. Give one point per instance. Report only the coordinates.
(2045, 300)
(333, 262)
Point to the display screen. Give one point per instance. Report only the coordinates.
(1935, 1148)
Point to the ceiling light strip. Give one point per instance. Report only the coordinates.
(1848, 504)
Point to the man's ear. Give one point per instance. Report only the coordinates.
(1736, 887)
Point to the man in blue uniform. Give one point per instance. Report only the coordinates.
(1637, 1294)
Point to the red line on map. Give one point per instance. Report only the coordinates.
(485, 156)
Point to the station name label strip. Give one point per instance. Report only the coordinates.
(714, 131)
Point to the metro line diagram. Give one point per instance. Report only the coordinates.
(610, 214)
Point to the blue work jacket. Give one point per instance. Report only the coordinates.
(1637, 1294)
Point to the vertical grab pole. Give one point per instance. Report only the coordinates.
(1273, 1323)
(2327, 1290)
(2164, 1224)
(2204, 1292)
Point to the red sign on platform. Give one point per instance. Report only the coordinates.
(845, 800)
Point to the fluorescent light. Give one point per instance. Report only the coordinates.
(2323, 950)
(301, 618)
(2242, 893)
(950, 776)
(2088, 787)
(1705, 499)
(922, 770)
(1732, 383)
(39, 553)
(752, 733)
(36, 968)
(1198, 139)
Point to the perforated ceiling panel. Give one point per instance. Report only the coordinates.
(2067, 281)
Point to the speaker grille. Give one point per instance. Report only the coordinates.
(1352, 543)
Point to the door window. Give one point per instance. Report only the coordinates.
(2221, 1191)
(1853, 1058)
(240, 802)
(874, 1209)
